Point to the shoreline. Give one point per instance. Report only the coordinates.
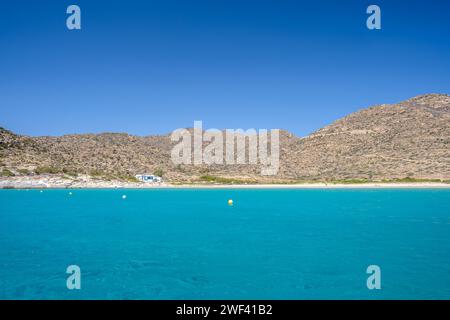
(423, 185)
(23, 184)
(89, 182)
(245, 187)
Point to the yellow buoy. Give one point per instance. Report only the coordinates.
(230, 202)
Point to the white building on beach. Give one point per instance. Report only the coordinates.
(148, 178)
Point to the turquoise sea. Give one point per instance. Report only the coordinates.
(190, 244)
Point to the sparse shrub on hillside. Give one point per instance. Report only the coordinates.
(351, 181)
(24, 172)
(409, 179)
(159, 172)
(208, 178)
(131, 179)
(70, 172)
(96, 173)
(47, 170)
(222, 180)
(6, 173)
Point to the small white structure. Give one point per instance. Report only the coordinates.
(148, 178)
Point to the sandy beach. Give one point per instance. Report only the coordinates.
(316, 186)
(87, 182)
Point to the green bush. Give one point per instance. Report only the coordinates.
(6, 173)
(411, 180)
(46, 170)
(208, 178)
(159, 172)
(131, 179)
(23, 172)
(222, 180)
(96, 173)
(70, 172)
(350, 181)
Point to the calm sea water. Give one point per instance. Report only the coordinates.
(189, 244)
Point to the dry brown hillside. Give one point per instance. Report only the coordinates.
(391, 141)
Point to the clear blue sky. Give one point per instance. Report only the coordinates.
(149, 67)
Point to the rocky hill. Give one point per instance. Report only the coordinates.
(410, 140)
